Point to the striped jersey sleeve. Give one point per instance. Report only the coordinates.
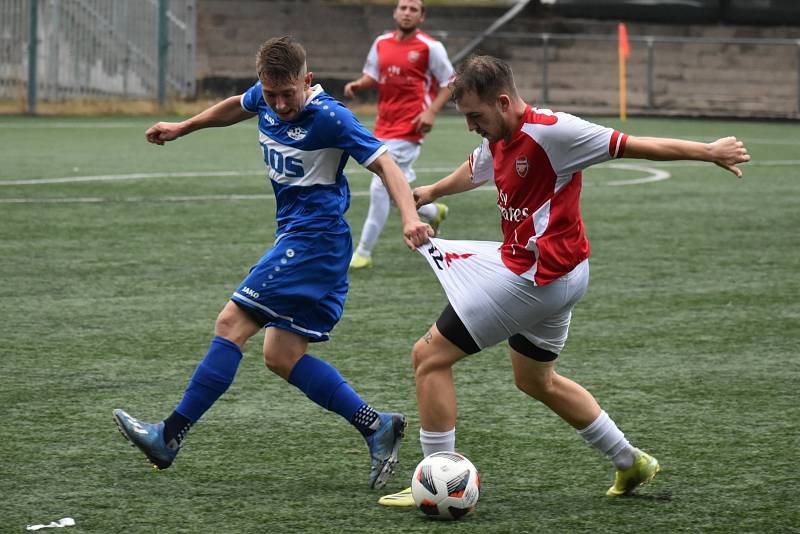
(573, 144)
(616, 148)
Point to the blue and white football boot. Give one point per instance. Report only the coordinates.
(384, 445)
(148, 438)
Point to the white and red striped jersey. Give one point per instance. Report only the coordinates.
(407, 73)
(538, 178)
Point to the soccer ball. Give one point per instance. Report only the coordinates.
(445, 485)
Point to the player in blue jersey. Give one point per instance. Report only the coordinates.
(296, 291)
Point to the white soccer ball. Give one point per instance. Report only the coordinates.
(445, 485)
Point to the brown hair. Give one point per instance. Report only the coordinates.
(486, 76)
(421, 5)
(281, 59)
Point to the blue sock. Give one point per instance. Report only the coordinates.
(211, 378)
(323, 384)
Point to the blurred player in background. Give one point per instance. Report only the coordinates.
(296, 291)
(408, 67)
(523, 289)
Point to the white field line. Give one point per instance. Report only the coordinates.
(99, 200)
(137, 200)
(172, 198)
(652, 174)
(651, 168)
(132, 176)
(192, 174)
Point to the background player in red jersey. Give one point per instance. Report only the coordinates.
(411, 71)
(523, 290)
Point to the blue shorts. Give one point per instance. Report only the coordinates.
(300, 284)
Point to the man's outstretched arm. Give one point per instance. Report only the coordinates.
(224, 113)
(458, 181)
(415, 232)
(726, 152)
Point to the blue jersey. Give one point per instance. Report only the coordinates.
(306, 157)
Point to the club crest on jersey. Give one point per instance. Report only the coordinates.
(297, 133)
(413, 56)
(521, 165)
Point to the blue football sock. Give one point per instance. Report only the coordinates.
(323, 384)
(211, 378)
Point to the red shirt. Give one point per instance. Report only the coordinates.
(406, 72)
(538, 178)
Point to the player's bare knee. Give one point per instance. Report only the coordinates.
(418, 354)
(235, 325)
(425, 359)
(226, 324)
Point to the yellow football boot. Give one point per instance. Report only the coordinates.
(360, 262)
(644, 468)
(401, 499)
(441, 214)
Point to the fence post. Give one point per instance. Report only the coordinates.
(163, 45)
(190, 90)
(545, 59)
(798, 75)
(33, 42)
(650, 57)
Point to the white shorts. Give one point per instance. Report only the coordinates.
(405, 154)
(495, 304)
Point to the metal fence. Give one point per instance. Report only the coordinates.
(75, 49)
(712, 76)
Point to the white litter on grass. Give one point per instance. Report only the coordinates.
(63, 522)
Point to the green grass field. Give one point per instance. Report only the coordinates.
(688, 336)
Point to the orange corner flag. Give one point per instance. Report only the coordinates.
(624, 52)
(624, 47)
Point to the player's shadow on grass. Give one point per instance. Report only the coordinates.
(664, 496)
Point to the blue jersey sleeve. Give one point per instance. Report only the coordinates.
(251, 98)
(356, 140)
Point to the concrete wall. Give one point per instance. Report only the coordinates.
(689, 79)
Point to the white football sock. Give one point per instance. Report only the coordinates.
(428, 212)
(437, 441)
(603, 435)
(379, 204)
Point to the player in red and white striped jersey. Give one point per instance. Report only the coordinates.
(411, 71)
(523, 289)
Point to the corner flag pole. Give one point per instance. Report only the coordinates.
(624, 50)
